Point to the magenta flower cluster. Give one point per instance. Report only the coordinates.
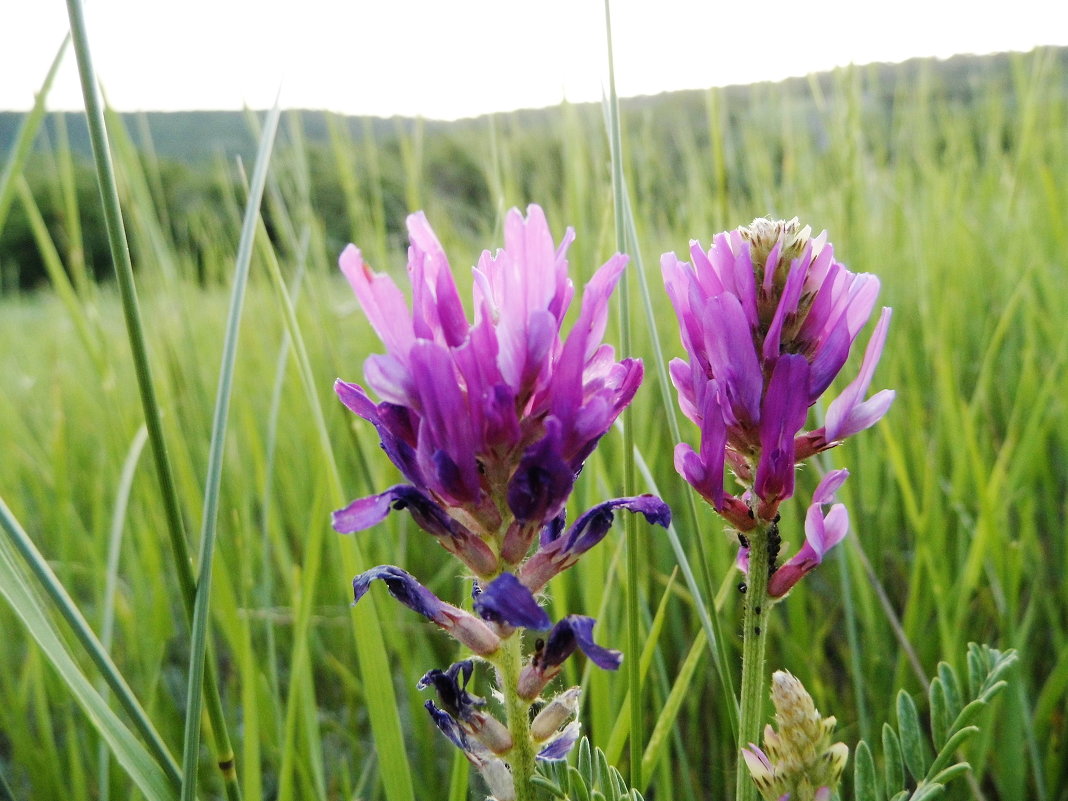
(490, 422)
(768, 318)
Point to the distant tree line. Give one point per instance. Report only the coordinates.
(183, 168)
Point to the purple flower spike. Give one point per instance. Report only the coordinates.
(506, 601)
(822, 532)
(563, 551)
(767, 318)
(462, 625)
(503, 410)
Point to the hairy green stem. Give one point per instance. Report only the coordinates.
(521, 757)
(754, 641)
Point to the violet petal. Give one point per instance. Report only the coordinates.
(594, 524)
(541, 484)
(560, 746)
(363, 513)
(405, 588)
(506, 600)
(577, 631)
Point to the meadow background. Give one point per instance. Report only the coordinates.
(947, 179)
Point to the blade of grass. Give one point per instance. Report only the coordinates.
(120, 254)
(658, 740)
(107, 623)
(710, 623)
(208, 532)
(622, 725)
(370, 648)
(144, 769)
(66, 606)
(634, 678)
(31, 123)
(61, 284)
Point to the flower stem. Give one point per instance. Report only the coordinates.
(521, 757)
(754, 640)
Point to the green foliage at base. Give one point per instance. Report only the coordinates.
(591, 778)
(953, 708)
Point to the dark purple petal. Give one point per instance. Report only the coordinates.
(849, 413)
(576, 631)
(704, 472)
(592, 526)
(451, 687)
(428, 515)
(601, 410)
(393, 423)
(506, 600)
(363, 513)
(405, 588)
(791, 294)
(445, 435)
(582, 342)
(461, 625)
(553, 530)
(542, 482)
(448, 725)
(561, 745)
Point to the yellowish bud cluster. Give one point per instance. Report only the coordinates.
(799, 759)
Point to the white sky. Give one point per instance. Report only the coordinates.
(455, 59)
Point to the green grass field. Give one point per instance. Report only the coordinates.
(957, 498)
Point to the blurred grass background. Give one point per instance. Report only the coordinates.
(947, 182)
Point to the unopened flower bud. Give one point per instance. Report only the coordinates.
(555, 714)
(490, 732)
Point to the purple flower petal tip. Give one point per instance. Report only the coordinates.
(560, 746)
(363, 513)
(506, 600)
(576, 631)
(594, 524)
(403, 586)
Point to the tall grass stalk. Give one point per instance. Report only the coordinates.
(209, 527)
(124, 273)
(634, 681)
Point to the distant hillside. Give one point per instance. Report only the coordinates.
(194, 137)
